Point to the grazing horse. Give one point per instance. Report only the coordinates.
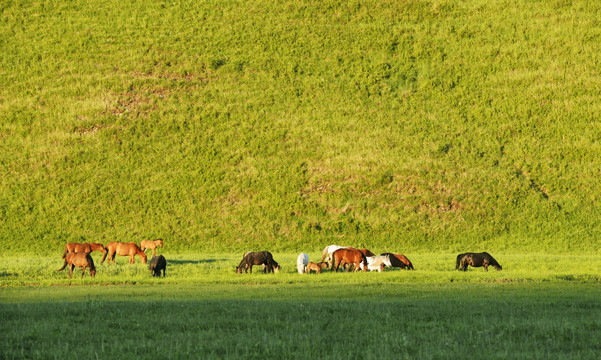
(348, 256)
(399, 260)
(301, 262)
(150, 244)
(377, 262)
(311, 266)
(81, 260)
(123, 249)
(157, 263)
(258, 258)
(328, 250)
(366, 252)
(83, 248)
(476, 260)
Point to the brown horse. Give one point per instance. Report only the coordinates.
(81, 260)
(150, 244)
(399, 260)
(83, 248)
(348, 256)
(264, 258)
(483, 259)
(316, 267)
(123, 249)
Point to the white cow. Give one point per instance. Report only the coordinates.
(377, 262)
(301, 262)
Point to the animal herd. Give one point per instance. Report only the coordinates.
(78, 255)
(333, 258)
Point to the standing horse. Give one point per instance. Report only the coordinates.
(157, 263)
(328, 250)
(301, 262)
(149, 244)
(349, 256)
(83, 248)
(81, 260)
(124, 249)
(311, 266)
(483, 259)
(377, 262)
(258, 258)
(399, 260)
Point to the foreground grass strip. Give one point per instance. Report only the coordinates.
(507, 320)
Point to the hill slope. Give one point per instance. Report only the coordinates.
(231, 125)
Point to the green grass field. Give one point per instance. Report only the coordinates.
(537, 307)
(423, 127)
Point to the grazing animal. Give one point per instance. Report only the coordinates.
(348, 256)
(328, 250)
(258, 258)
(81, 260)
(483, 259)
(301, 262)
(157, 263)
(399, 260)
(83, 248)
(311, 266)
(366, 252)
(377, 262)
(123, 249)
(150, 244)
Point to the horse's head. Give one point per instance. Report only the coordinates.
(93, 272)
(239, 270)
(144, 258)
(276, 267)
(498, 267)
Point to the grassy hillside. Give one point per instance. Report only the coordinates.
(236, 125)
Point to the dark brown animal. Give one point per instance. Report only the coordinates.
(366, 252)
(483, 259)
(151, 244)
(157, 263)
(81, 260)
(399, 260)
(311, 266)
(123, 249)
(83, 248)
(258, 258)
(348, 256)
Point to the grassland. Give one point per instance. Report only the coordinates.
(231, 125)
(538, 307)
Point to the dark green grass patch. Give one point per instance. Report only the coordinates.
(350, 321)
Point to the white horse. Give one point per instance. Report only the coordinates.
(301, 262)
(377, 262)
(328, 250)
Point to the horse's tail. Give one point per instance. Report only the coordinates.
(90, 262)
(458, 261)
(104, 257)
(333, 267)
(324, 253)
(365, 265)
(64, 266)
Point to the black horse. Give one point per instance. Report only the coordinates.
(258, 258)
(158, 263)
(476, 260)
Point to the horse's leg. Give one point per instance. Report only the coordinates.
(83, 271)
(71, 266)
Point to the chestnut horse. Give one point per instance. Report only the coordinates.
(311, 266)
(399, 260)
(83, 248)
(124, 249)
(81, 260)
(483, 259)
(149, 244)
(349, 256)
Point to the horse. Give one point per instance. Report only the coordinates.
(123, 249)
(366, 252)
(83, 248)
(377, 262)
(81, 260)
(311, 266)
(483, 259)
(399, 260)
(258, 258)
(157, 263)
(328, 250)
(301, 262)
(348, 256)
(150, 244)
